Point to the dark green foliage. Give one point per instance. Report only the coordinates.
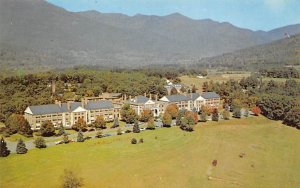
(99, 134)
(237, 113)
(280, 72)
(136, 128)
(167, 120)
(249, 82)
(141, 140)
(215, 115)
(133, 141)
(203, 117)
(293, 117)
(47, 129)
(21, 147)
(128, 114)
(40, 143)
(71, 180)
(66, 139)
(4, 152)
(275, 106)
(116, 123)
(185, 126)
(80, 137)
(61, 130)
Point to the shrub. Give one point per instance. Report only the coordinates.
(136, 128)
(256, 110)
(21, 147)
(203, 117)
(99, 134)
(47, 129)
(71, 180)
(61, 130)
(4, 152)
(80, 125)
(293, 117)
(40, 143)
(128, 131)
(226, 114)
(116, 123)
(119, 131)
(215, 115)
(66, 139)
(151, 124)
(133, 141)
(237, 113)
(128, 114)
(185, 126)
(141, 140)
(80, 137)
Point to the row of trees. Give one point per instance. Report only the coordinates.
(280, 72)
(276, 100)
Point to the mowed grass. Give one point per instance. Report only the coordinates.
(169, 157)
(219, 77)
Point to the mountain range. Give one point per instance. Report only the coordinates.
(37, 33)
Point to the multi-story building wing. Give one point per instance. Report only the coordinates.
(68, 114)
(140, 103)
(182, 101)
(209, 99)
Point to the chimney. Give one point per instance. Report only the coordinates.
(145, 94)
(69, 105)
(150, 96)
(129, 97)
(156, 97)
(125, 97)
(58, 102)
(82, 103)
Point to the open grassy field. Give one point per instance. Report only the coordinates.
(216, 77)
(169, 157)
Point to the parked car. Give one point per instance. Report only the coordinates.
(106, 135)
(59, 142)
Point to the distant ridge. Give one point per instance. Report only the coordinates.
(35, 33)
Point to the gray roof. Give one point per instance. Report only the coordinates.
(210, 95)
(55, 108)
(194, 96)
(99, 105)
(45, 109)
(177, 98)
(139, 100)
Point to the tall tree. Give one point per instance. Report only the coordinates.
(215, 115)
(21, 147)
(136, 127)
(128, 114)
(172, 109)
(167, 120)
(100, 122)
(4, 152)
(47, 129)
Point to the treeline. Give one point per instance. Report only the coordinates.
(282, 72)
(277, 101)
(18, 92)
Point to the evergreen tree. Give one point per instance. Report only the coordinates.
(116, 123)
(128, 114)
(61, 130)
(203, 117)
(133, 141)
(136, 128)
(21, 147)
(4, 152)
(119, 131)
(40, 143)
(80, 136)
(99, 134)
(237, 113)
(215, 115)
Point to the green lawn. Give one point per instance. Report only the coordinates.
(169, 157)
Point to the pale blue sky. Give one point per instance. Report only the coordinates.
(251, 14)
